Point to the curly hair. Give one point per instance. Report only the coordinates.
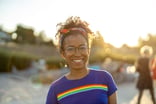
(73, 25)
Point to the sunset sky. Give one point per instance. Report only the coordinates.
(119, 21)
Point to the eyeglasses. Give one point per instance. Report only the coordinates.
(72, 50)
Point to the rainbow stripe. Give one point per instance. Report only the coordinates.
(82, 89)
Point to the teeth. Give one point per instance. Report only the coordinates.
(77, 60)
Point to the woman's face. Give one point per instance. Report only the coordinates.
(75, 51)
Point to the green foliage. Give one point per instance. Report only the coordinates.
(99, 51)
(128, 58)
(25, 35)
(98, 55)
(98, 41)
(150, 40)
(5, 61)
(17, 59)
(55, 62)
(22, 60)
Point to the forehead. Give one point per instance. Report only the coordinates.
(74, 40)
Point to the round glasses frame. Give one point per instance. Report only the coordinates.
(72, 50)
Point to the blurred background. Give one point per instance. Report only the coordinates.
(30, 61)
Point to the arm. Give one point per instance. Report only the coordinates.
(112, 92)
(112, 99)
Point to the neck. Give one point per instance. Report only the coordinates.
(77, 74)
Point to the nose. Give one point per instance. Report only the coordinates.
(77, 52)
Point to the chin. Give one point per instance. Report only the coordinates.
(78, 68)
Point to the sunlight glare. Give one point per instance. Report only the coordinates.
(117, 21)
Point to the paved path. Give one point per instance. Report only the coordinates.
(128, 94)
(20, 90)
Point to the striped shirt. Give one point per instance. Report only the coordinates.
(92, 89)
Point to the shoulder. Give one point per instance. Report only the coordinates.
(104, 72)
(101, 73)
(106, 78)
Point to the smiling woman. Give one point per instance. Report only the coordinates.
(81, 85)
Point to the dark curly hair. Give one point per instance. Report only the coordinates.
(67, 27)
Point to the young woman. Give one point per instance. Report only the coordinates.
(81, 85)
(143, 68)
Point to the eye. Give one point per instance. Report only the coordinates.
(83, 47)
(70, 49)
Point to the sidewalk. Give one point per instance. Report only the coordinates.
(128, 94)
(20, 90)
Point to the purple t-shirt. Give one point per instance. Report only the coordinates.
(92, 89)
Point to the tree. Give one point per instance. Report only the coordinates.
(149, 40)
(98, 40)
(25, 35)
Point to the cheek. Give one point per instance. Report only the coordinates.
(65, 56)
(86, 56)
(87, 53)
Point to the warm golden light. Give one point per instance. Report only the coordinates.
(120, 22)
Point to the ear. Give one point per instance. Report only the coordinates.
(62, 54)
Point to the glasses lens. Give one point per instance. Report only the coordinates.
(72, 50)
(83, 49)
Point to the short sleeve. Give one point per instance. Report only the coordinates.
(112, 87)
(51, 97)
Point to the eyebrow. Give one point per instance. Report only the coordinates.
(78, 46)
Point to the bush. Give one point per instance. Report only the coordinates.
(8, 59)
(22, 61)
(99, 57)
(5, 61)
(55, 62)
